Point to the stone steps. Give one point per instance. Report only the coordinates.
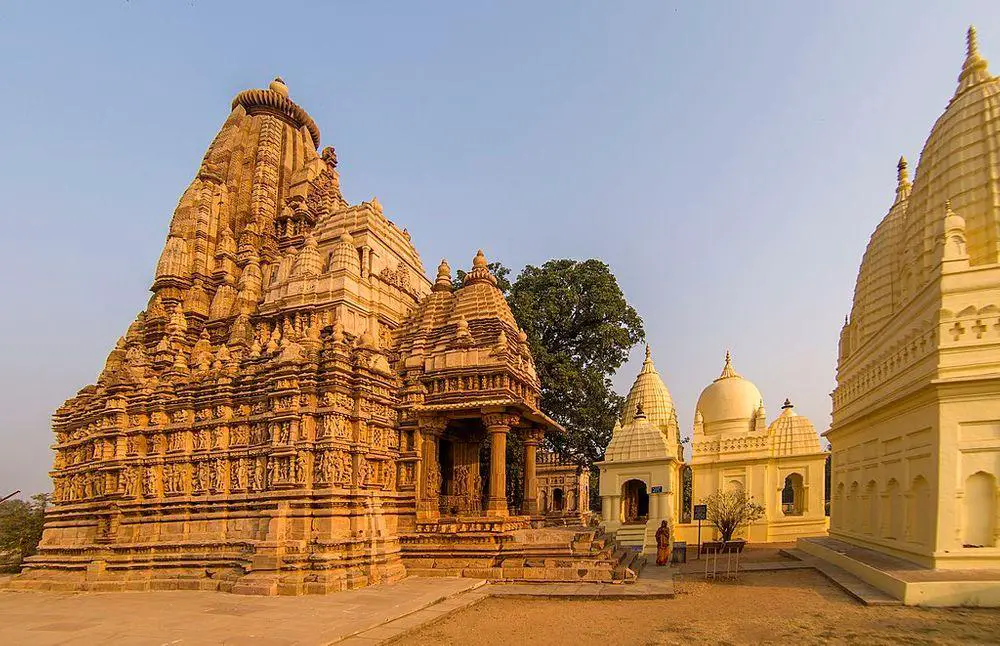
(631, 536)
(852, 585)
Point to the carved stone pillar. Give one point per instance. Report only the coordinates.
(531, 441)
(430, 469)
(498, 425)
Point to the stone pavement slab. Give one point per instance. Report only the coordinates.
(196, 617)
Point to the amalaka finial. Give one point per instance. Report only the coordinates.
(480, 260)
(278, 85)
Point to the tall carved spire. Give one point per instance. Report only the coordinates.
(975, 68)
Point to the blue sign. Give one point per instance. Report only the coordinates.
(657, 489)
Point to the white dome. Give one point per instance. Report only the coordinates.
(637, 440)
(730, 397)
(793, 434)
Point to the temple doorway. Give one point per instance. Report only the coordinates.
(557, 500)
(635, 502)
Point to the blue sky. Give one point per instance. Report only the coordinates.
(728, 160)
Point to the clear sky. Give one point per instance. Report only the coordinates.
(728, 160)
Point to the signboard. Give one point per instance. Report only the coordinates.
(656, 489)
(701, 512)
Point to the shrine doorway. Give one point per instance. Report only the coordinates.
(635, 502)
(557, 499)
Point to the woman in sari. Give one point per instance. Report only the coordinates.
(663, 544)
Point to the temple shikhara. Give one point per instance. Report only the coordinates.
(916, 411)
(299, 409)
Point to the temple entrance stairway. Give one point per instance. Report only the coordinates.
(633, 535)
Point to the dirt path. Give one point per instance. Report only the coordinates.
(793, 607)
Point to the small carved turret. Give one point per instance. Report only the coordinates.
(308, 262)
(173, 271)
(197, 301)
(443, 281)
(903, 184)
(953, 240)
(480, 271)
(345, 255)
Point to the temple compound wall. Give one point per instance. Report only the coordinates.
(916, 410)
(298, 409)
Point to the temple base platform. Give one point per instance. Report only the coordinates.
(912, 584)
(510, 549)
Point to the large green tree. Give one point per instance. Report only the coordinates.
(580, 329)
(21, 528)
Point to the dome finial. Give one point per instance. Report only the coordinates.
(647, 352)
(787, 404)
(974, 69)
(727, 370)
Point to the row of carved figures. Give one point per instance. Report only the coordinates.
(333, 468)
(283, 433)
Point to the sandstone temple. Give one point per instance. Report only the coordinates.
(299, 409)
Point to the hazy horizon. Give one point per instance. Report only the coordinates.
(728, 162)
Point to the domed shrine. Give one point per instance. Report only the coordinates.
(781, 465)
(639, 476)
(298, 409)
(916, 411)
(644, 470)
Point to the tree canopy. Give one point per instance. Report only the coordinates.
(21, 527)
(580, 329)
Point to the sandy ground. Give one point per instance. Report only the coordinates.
(791, 607)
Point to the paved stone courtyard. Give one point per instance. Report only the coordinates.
(666, 606)
(192, 617)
